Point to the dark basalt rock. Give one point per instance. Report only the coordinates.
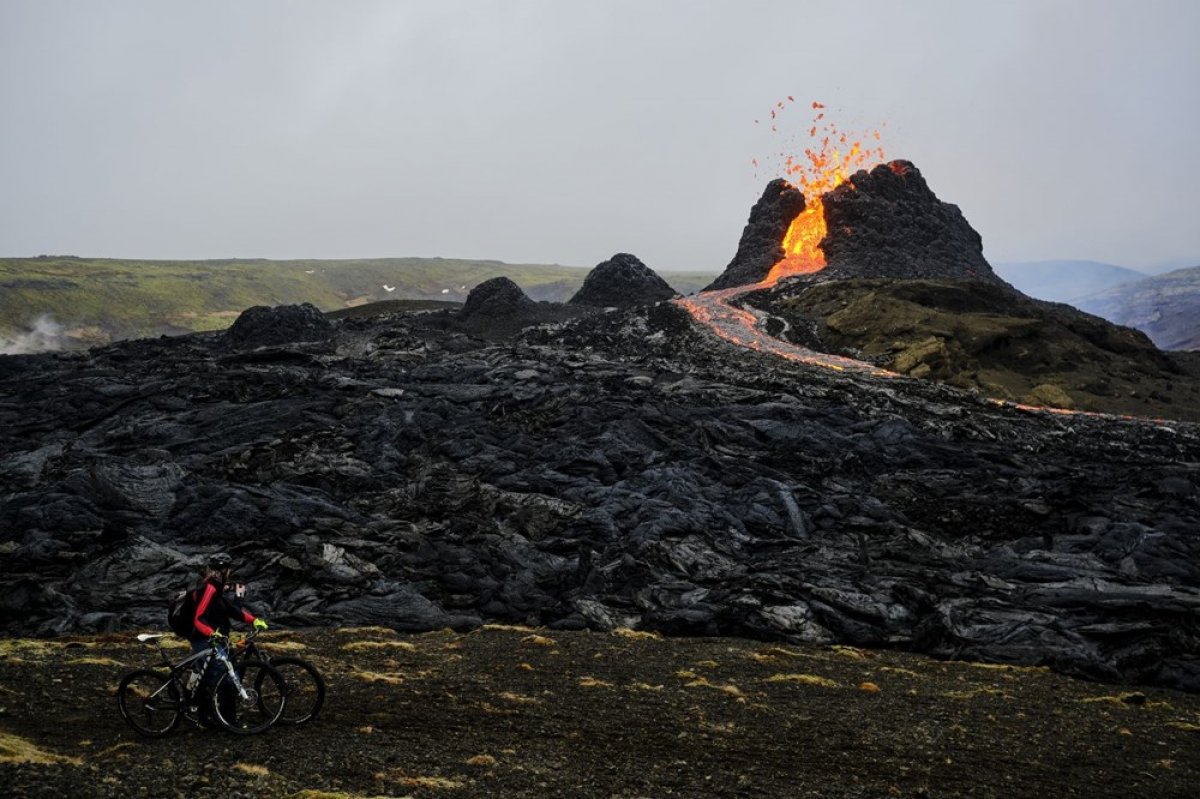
(619, 469)
(496, 298)
(620, 282)
(888, 223)
(761, 245)
(262, 326)
(497, 310)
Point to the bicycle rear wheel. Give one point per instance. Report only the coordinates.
(253, 707)
(150, 702)
(305, 689)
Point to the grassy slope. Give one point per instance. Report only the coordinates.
(123, 298)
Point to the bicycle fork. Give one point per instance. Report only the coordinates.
(233, 675)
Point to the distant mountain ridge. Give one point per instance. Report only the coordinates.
(1065, 280)
(1164, 307)
(97, 300)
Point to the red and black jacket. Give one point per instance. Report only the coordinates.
(215, 611)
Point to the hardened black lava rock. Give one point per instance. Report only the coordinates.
(495, 298)
(761, 245)
(888, 223)
(620, 282)
(498, 310)
(620, 469)
(262, 326)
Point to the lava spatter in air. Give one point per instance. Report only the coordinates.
(830, 157)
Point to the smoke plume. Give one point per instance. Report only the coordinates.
(43, 335)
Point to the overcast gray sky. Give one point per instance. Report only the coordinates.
(564, 132)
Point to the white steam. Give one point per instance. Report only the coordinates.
(43, 335)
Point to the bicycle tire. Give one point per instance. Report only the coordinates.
(266, 695)
(305, 689)
(143, 705)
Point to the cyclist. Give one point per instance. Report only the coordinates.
(214, 613)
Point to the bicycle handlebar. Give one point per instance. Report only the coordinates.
(245, 638)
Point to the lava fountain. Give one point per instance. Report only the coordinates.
(832, 158)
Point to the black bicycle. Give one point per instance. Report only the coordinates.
(304, 687)
(247, 698)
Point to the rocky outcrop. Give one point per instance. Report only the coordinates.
(495, 298)
(761, 245)
(888, 223)
(498, 309)
(622, 281)
(622, 469)
(262, 326)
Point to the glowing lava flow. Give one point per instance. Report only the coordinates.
(740, 326)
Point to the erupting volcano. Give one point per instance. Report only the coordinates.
(833, 216)
(841, 210)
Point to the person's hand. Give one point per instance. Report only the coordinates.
(259, 624)
(216, 638)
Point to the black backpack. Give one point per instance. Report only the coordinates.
(181, 614)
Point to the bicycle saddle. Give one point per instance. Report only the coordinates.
(144, 637)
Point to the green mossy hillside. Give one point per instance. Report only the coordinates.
(992, 340)
(100, 299)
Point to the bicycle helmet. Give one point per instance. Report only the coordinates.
(219, 561)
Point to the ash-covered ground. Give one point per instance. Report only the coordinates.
(536, 713)
(616, 469)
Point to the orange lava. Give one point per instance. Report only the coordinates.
(739, 326)
(831, 158)
(802, 244)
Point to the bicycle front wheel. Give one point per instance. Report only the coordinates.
(305, 689)
(150, 702)
(252, 703)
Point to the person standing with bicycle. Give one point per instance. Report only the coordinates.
(215, 611)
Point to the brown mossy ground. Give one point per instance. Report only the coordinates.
(515, 712)
(985, 338)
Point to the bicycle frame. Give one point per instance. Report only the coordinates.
(212, 653)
